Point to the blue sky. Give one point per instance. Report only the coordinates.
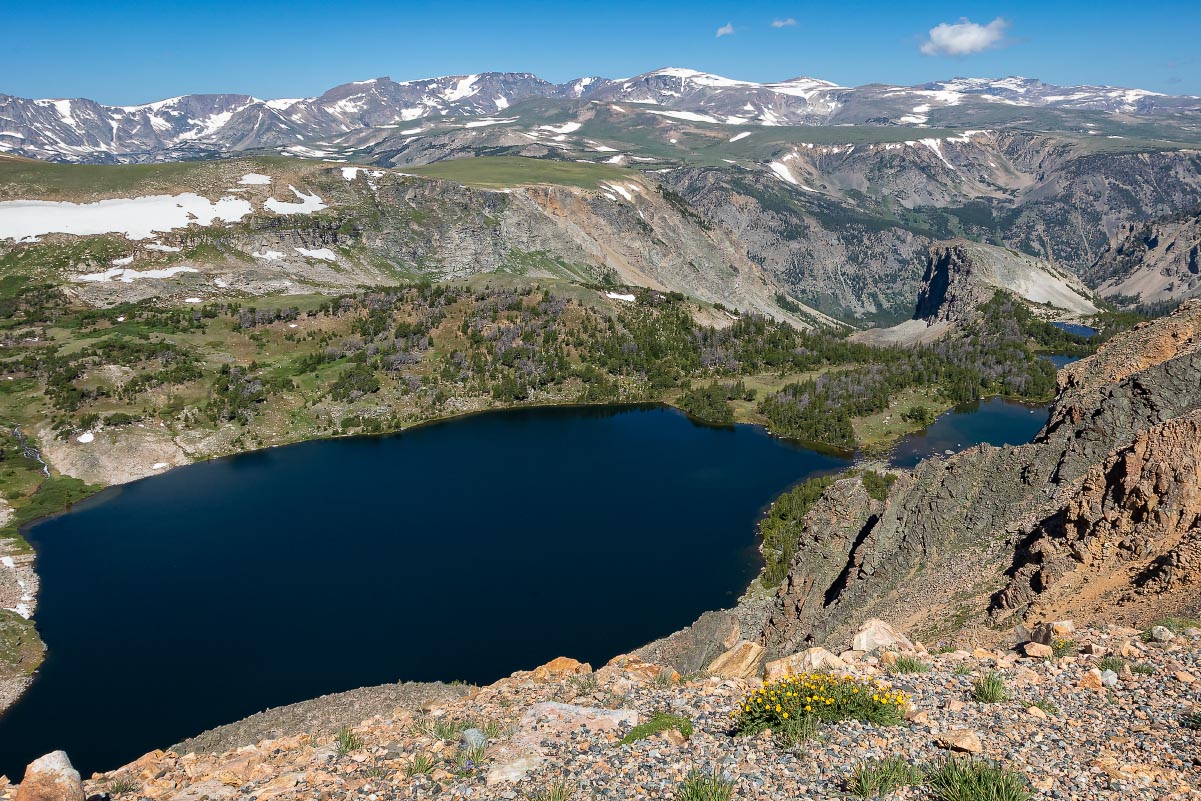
(127, 52)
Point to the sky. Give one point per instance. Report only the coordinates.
(123, 52)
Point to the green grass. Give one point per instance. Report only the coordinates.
(506, 171)
(347, 741)
(122, 784)
(1176, 625)
(909, 664)
(879, 777)
(1114, 663)
(1143, 669)
(558, 791)
(1047, 706)
(27, 178)
(705, 787)
(659, 722)
(975, 780)
(420, 765)
(990, 689)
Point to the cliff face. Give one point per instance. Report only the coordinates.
(1157, 260)
(1098, 518)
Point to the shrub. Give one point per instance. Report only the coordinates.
(705, 787)
(876, 777)
(1192, 720)
(1063, 648)
(1143, 669)
(347, 741)
(969, 779)
(824, 696)
(909, 664)
(990, 689)
(659, 722)
(1114, 663)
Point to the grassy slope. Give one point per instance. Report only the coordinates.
(507, 171)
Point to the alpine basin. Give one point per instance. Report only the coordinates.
(460, 550)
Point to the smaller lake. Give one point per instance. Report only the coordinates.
(1077, 329)
(995, 421)
(1059, 360)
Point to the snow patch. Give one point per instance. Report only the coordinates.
(163, 248)
(127, 276)
(255, 179)
(565, 128)
(307, 205)
(85, 437)
(737, 137)
(267, 255)
(325, 254)
(783, 173)
(489, 121)
(620, 296)
(136, 218)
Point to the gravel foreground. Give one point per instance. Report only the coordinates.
(1125, 733)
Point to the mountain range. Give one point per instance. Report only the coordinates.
(203, 125)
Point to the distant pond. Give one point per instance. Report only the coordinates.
(1077, 329)
(465, 549)
(995, 421)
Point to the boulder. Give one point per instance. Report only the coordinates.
(1037, 650)
(743, 661)
(876, 634)
(1109, 678)
(1091, 681)
(1162, 634)
(560, 667)
(964, 741)
(51, 778)
(807, 661)
(472, 738)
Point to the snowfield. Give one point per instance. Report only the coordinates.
(127, 276)
(307, 205)
(136, 218)
(325, 254)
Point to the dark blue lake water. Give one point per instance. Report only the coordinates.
(996, 421)
(461, 550)
(1077, 329)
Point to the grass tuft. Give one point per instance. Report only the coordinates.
(909, 664)
(970, 779)
(122, 784)
(420, 765)
(659, 722)
(1114, 663)
(559, 791)
(990, 689)
(877, 777)
(347, 741)
(705, 787)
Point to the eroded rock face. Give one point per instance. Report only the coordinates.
(51, 778)
(1096, 519)
(1133, 526)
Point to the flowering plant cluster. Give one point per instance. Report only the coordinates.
(824, 697)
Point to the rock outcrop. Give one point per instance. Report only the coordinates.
(1152, 261)
(1096, 519)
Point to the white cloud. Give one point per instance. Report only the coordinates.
(783, 23)
(725, 30)
(964, 37)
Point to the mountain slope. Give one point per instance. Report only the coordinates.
(193, 126)
(1153, 261)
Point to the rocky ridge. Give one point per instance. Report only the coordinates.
(566, 726)
(1096, 519)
